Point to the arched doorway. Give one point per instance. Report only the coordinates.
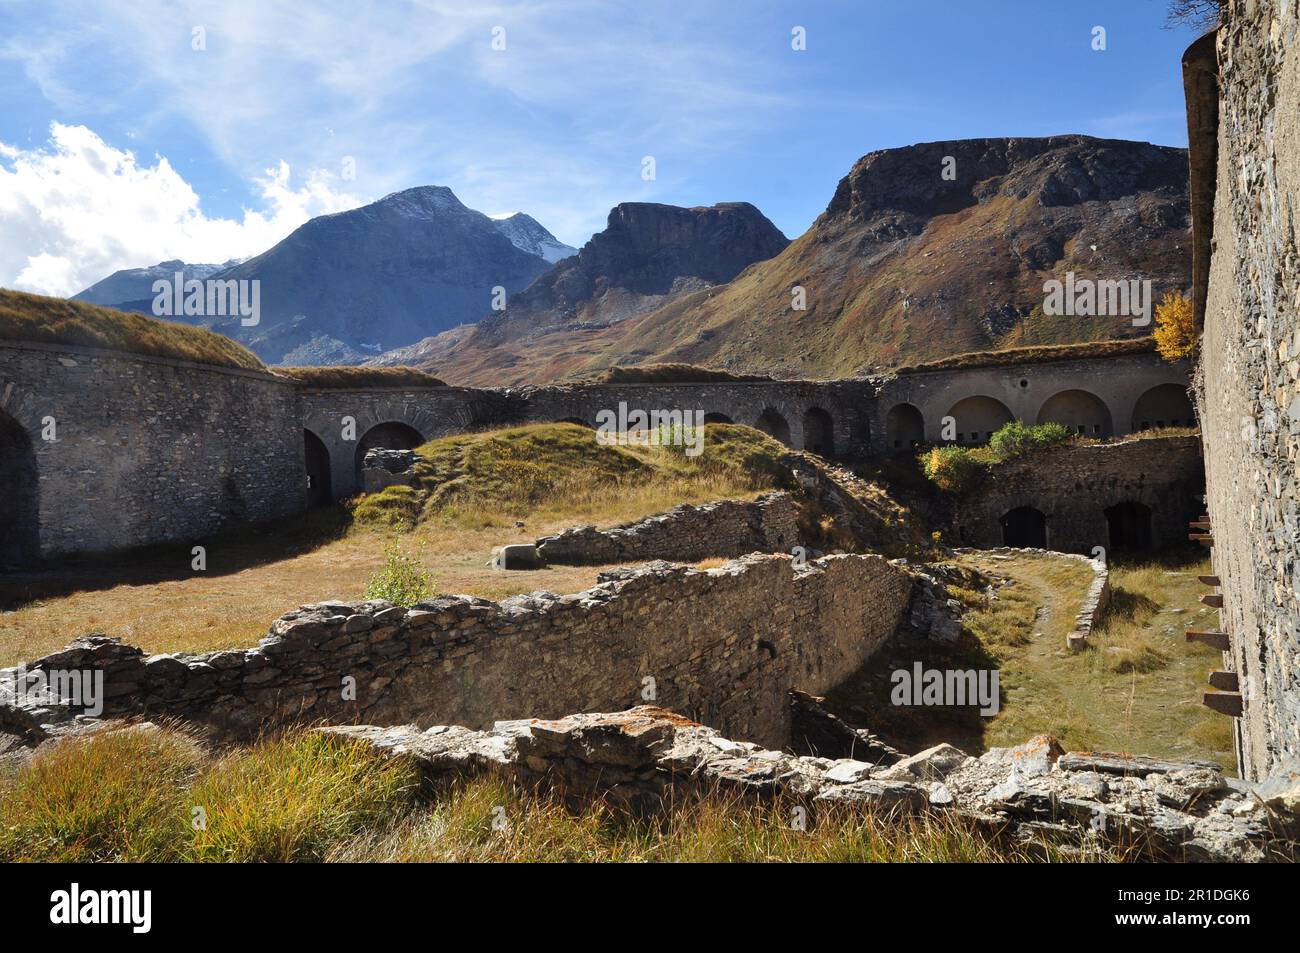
(819, 432)
(317, 456)
(390, 436)
(976, 419)
(904, 428)
(1129, 524)
(717, 419)
(1165, 405)
(572, 420)
(774, 425)
(20, 526)
(1082, 412)
(1024, 527)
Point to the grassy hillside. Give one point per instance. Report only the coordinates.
(344, 377)
(35, 318)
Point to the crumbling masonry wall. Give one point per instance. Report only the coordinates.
(687, 533)
(1250, 393)
(723, 645)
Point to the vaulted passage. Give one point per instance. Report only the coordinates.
(1082, 412)
(773, 424)
(819, 432)
(319, 490)
(976, 419)
(1129, 524)
(390, 436)
(1164, 406)
(20, 531)
(1024, 527)
(904, 428)
(717, 419)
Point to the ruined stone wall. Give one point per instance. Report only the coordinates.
(722, 645)
(685, 533)
(1250, 398)
(146, 450)
(1074, 485)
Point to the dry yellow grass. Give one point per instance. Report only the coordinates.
(342, 377)
(28, 317)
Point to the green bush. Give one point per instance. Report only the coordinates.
(396, 506)
(403, 580)
(954, 469)
(1016, 438)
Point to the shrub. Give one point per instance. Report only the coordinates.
(403, 580)
(1177, 333)
(952, 468)
(1016, 438)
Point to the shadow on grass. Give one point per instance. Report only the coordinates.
(236, 547)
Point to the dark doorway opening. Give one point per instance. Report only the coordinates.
(20, 526)
(774, 425)
(319, 490)
(717, 419)
(819, 432)
(1024, 527)
(389, 436)
(1129, 524)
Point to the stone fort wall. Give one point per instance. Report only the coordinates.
(145, 450)
(1091, 495)
(723, 646)
(1250, 393)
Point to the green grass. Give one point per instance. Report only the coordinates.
(546, 471)
(955, 468)
(346, 377)
(1036, 354)
(35, 318)
(669, 374)
(158, 795)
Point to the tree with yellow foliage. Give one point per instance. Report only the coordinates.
(1177, 333)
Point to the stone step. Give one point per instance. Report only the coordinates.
(1224, 681)
(1218, 640)
(1225, 703)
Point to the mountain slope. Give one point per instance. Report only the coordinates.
(903, 266)
(135, 285)
(648, 256)
(342, 287)
(527, 234)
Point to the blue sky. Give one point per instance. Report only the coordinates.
(121, 144)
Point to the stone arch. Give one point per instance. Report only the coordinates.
(573, 420)
(1129, 527)
(1082, 411)
(317, 458)
(978, 418)
(717, 418)
(1024, 527)
(773, 423)
(1165, 405)
(391, 435)
(904, 428)
(819, 432)
(20, 520)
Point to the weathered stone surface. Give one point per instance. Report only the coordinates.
(932, 764)
(643, 755)
(519, 556)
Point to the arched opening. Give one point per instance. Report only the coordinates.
(20, 527)
(904, 428)
(717, 419)
(774, 425)
(390, 436)
(319, 491)
(1165, 405)
(1082, 412)
(1024, 527)
(1129, 524)
(572, 420)
(978, 418)
(819, 432)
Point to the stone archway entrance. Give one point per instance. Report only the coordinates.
(392, 435)
(1024, 527)
(819, 432)
(319, 489)
(774, 425)
(1129, 526)
(20, 525)
(904, 428)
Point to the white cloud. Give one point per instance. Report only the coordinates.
(78, 209)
